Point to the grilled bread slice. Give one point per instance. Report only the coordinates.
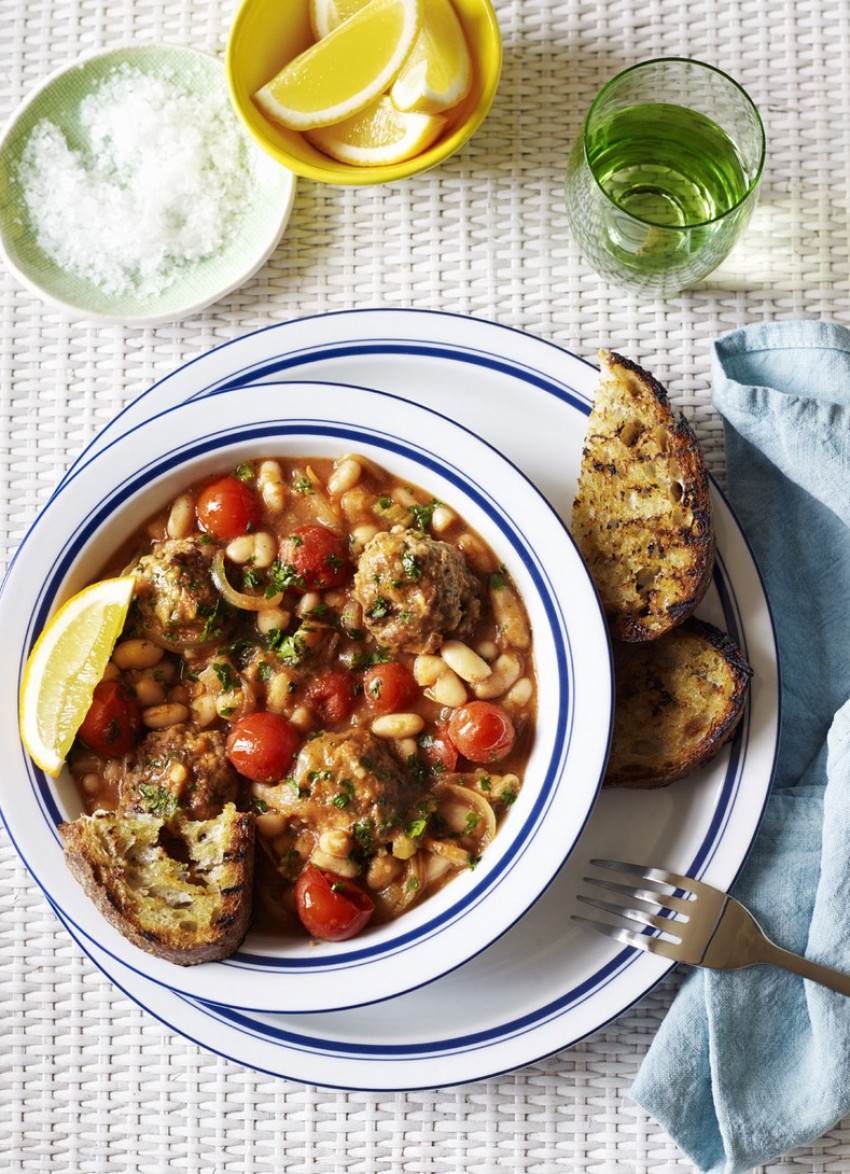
(180, 890)
(642, 514)
(677, 701)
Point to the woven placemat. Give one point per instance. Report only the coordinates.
(91, 1083)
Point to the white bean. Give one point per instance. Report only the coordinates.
(265, 549)
(506, 670)
(382, 871)
(149, 691)
(476, 553)
(91, 783)
(519, 694)
(307, 603)
(136, 654)
(510, 616)
(181, 517)
(363, 534)
(448, 689)
(466, 663)
(346, 868)
(442, 518)
(279, 692)
(427, 668)
(160, 717)
(345, 475)
(204, 709)
(241, 549)
(398, 725)
(335, 842)
(272, 619)
(271, 486)
(270, 824)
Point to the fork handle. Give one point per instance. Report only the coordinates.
(836, 980)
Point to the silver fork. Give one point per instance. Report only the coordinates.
(692, 922)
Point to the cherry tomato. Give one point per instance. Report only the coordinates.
(228, 508)
(438, 750)
(113, 723)
(482, 731)
(331, 907)
(318, 557)
(331, 694)
(390, 687)
(261, 746)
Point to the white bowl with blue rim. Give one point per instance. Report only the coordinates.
(105, 498)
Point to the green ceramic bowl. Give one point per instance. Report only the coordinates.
(258, 228)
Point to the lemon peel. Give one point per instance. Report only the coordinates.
(378, 135)
(66, 662)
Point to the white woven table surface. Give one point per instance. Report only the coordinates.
(88, 1081)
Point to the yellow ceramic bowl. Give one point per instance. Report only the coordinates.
(267, 34)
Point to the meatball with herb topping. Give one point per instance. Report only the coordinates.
(180, 767)
(178, 605)
(415, 591)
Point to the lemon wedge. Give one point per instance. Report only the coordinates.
(66, 663)
(343, 72)
(326, 15)
(438, 73)
(379, 134)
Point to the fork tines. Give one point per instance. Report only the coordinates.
(647, 916)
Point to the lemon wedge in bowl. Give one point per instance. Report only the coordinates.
(377, 135)
(345, 71)
(67, 661)
(438, 73)
(326, 15)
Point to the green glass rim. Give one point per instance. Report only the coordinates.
(691, 61)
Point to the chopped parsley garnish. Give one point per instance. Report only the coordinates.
(260, 805)
(300, 792)
(282, 576)
(365, 660)
(422, 514)
(159, 800)
(292, 649)
(345, 794)
(334, 561)
(484, 783)
(227, 678)
(412, 884)
(250, 579)
(508, 796)
(112, 732)
(472, 861)
(245, 472)
(378, 609)
(411, 566)
(362, 832)
(497, 579)
(303, 485)
(416, 828)
(472, 821)
(385, 502)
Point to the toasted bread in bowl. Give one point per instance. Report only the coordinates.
(642, 513)
(178, 889)
(678, 701)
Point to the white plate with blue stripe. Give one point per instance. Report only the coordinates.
(546, 984)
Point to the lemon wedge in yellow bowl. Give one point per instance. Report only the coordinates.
(377, 135)
(345, 71)
(66, 662)
(438, 72)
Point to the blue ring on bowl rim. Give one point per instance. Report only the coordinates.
(491, 507)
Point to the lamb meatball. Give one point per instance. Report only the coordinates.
(177, 599)
(415, 591)
(180, 767)
(348, 781)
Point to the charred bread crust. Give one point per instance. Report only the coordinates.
(181, 891)
(678, 700)
(642, 513)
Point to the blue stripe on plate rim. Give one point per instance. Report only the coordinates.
(42, 788)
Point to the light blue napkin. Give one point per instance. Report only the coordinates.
(750, 1064)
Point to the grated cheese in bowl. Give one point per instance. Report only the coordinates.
(157, 184)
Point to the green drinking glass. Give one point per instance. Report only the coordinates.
(664, 176)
